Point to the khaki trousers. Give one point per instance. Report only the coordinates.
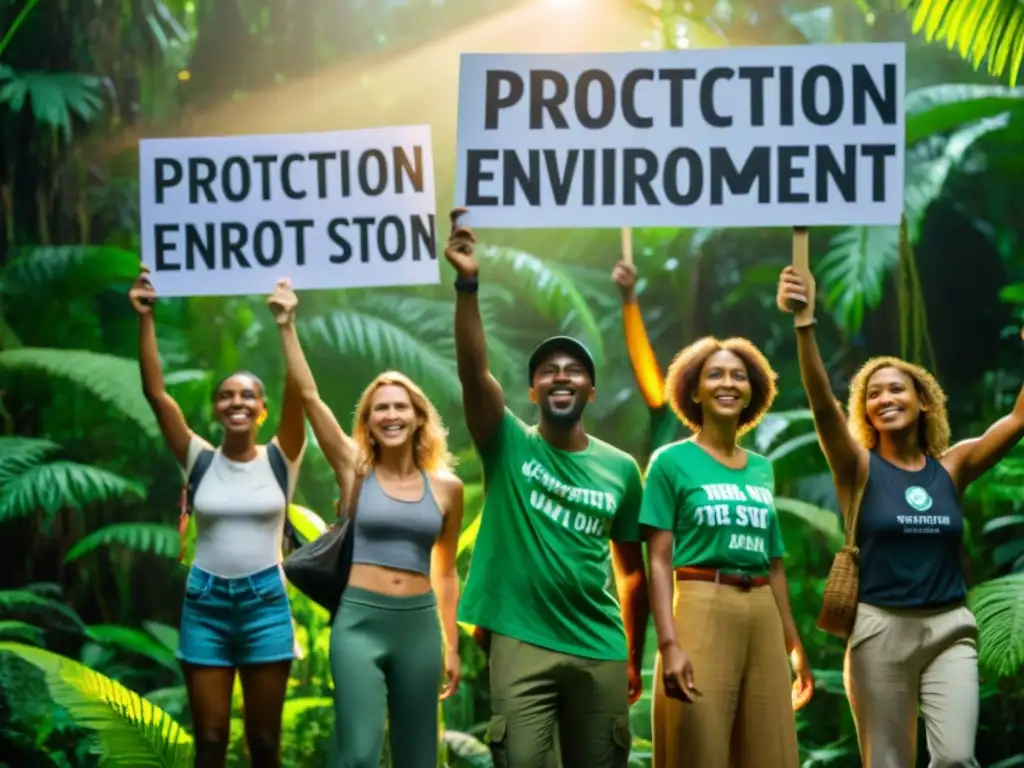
(745, 718)
(897, 659)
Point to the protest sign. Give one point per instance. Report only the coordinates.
(738, 137)
(230, 215)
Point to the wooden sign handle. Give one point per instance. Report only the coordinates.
(627, 245)
(801, 261)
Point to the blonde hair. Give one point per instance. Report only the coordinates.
(933, 422)
(430, 440)
(683, 378)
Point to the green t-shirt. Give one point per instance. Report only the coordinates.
(722, 518)
(541, 570)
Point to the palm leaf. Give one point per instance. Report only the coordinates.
(130, 731)
(368, 336)
(19, 454)
(114, 380)
(22, 602)
(55, 96)
(998, 606)
(11, 629)
(553, 292)
(148, 538)
(824, 521)
(61, 485)
(86, 268)
(130, 640)
(978, 29)
(937, 109)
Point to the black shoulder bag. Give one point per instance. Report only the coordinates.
(320, 569)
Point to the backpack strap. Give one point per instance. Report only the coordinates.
(199, 469)
(279, 466)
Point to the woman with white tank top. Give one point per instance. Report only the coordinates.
(236, 615)
(386, 641)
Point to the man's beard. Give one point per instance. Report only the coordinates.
(560, 418)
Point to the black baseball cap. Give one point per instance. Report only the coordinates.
(565, 344)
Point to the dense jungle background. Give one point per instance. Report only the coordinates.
(90, 589)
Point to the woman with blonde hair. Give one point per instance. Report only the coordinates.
(722, 696)
(386, 641)
(914, 641)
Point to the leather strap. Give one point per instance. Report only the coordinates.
(743, 581)
(853, 511)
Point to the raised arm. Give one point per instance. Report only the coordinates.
(970, 459)
(168, 414)
(339, 449)
(842, 452)
(646, 371)
(291, 430)
(482, 398)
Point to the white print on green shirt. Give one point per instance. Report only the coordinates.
(557, 491)
(742, 515)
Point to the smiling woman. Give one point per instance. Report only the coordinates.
(236, 616)
(709, 513)
(386, 641)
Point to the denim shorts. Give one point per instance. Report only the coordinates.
(234, 622)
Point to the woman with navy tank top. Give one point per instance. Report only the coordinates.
(914, 641)
(386, 641)
(235, 615)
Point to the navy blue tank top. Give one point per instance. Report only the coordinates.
(910, 532)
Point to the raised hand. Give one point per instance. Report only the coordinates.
(624, 276)
(459, 248)
(795, 294)
(141, 294)
(283, 302)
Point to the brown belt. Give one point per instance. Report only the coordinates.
(742, 581)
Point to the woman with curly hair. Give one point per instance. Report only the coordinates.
(722, 696)
(913, 643)
(386, 640)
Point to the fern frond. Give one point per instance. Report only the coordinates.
(132, 733)
(979, 30)
(998, 606)
(369, 336)
(147, 538)
(19, 454)
(114, 380)
(85, 268)
(61, 485)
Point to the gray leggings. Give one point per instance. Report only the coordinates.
(387, 664)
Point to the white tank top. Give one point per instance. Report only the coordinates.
(239, 512)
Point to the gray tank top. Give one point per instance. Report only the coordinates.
(393, 533)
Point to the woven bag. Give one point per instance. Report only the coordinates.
(839, 604)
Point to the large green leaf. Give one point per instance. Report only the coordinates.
(978, 29)
(12, 629)
(84, 268)
(998, 606)
(46, 611)
(149, 538)
(130, 640)
(941, 108)
(130, 731)
(61, 485)
(114, 380)
(55, 97)
(824, 521)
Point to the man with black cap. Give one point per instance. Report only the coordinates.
(564, 653)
